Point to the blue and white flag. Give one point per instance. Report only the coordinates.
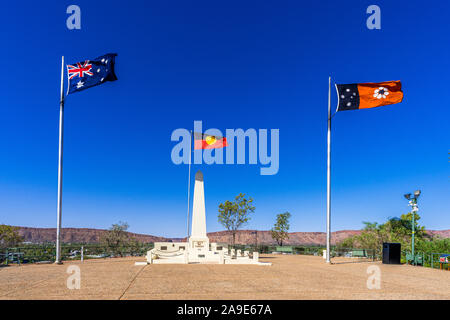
(90, 73)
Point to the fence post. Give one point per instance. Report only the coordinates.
(7, 256)
(82, 253)
(432, 261)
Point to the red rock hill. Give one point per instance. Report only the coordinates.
(86, 235)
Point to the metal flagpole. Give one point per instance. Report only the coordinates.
(329, 172)
(60, 167)
(189, 186)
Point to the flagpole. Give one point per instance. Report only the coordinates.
(329, 173)
(60, 167)
(189, 186)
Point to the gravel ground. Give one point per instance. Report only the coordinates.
(289, 277)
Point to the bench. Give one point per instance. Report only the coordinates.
(281, 249)
(359, 253)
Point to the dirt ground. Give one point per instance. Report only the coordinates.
(289, 277)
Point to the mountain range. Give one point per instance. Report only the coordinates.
(86, 235)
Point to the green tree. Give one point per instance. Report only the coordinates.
(281, 228)
(436, 245)
(9, 236)
(117, 237)
(233, 215)
(394, 230)
(349, 242)
(420, 231)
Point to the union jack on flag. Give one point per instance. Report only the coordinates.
(90, 73)
(79, 70)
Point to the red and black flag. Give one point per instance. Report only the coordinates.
(206, 141)
(368, 95)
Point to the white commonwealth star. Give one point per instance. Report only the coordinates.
(80, 84)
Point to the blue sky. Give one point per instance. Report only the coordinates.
(231, 64)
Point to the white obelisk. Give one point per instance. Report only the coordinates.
(198, 238)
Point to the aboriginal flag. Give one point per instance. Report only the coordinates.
(206, 141)
(368, 95)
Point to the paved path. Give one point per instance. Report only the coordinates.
(289, 277)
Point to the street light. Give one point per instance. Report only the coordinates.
(415, 208)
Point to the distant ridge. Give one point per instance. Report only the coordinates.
(75, 235)
(88, 235)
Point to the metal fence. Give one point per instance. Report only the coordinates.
(426, 259)
(46, 253)
(434, 260)
(312, 250)
(355, 253)
(291, 249)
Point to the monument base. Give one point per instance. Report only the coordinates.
(200, 251)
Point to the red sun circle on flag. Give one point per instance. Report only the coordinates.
(210, 140)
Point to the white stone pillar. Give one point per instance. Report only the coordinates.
(238, 252)
(255, 256)
(198, 241)
(198, 209)
(149, 257)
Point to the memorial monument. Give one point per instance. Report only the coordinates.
(198, 249)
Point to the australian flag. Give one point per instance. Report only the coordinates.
(90, 73)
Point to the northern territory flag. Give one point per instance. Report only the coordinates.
(368, 95)
(206, 141)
